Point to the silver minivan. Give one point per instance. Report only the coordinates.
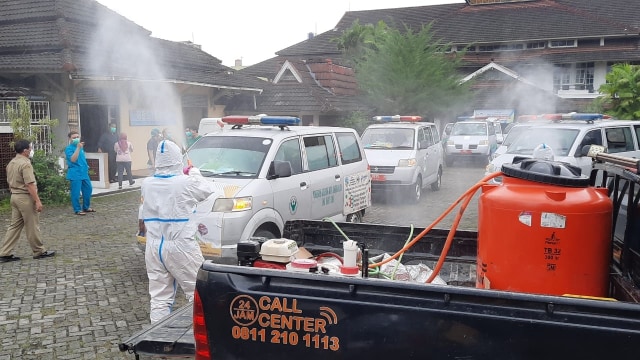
(471, 139)
(405, 156)
(273, 173)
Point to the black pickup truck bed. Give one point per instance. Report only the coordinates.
(262, 313)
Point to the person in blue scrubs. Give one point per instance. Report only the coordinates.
(78, 174)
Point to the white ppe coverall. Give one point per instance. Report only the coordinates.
(172, 254)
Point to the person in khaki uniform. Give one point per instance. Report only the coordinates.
(25, 206)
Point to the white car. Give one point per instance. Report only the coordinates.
(471, 139)
(274, 172)
(404, 154)
(568, 138)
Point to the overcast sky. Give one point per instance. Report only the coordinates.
(251, 30)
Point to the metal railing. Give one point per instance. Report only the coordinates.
(39, 111)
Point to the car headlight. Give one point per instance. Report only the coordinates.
(450, 142)
(233, 204)
(407, 163)
(483, 142)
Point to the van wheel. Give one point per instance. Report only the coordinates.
(417, 190)
(435, 186)
(265, 234)
(355, 217)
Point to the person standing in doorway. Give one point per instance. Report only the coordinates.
(25, 206)
(152, 146)
(123, 149)
(78, 174)
(105, 145)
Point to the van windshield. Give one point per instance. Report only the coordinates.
(229, 156)
(469, 129)
(559, 140)
(387, 138)
(513, 134)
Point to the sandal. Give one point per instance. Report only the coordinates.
(89, 210)
(81, 213)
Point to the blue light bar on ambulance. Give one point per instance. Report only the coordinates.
(261, 120)
(575, 116)
(392, 118)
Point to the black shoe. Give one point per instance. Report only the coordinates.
(132, 182)
(112, 181)
(45, 254)
(8, 258)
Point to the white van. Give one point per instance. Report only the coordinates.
(273, 173)
(210, 126)
(471, 139)
(404, 155)
(567, 138)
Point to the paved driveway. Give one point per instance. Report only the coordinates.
(93, 293)
(90, 296)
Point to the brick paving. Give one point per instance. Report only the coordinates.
(81, 303)
(93, 294)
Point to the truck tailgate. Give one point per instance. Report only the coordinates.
(172, 337)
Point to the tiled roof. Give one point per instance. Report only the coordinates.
(86, 39)
(464, 24)
(293, 97)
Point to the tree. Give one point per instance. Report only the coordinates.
(407, 73)
(622, 91)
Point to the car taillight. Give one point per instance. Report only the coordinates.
(200, 330)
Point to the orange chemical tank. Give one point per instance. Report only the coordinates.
(544, 230)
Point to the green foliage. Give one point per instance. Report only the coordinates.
(52, 186)
(622, 91)
(407, 73)
(357, 121)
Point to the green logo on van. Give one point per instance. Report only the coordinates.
(293, 205)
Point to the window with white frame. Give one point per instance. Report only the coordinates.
(563, 43)
(584, 76)
(561, 77)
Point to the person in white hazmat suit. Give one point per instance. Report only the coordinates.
(172, 254)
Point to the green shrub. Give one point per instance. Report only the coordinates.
(53, 188)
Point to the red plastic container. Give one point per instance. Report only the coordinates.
(546, 233)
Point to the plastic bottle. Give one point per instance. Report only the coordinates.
(349, 266)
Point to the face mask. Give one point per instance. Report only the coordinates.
(31, 154)
(75, 141)
(188, 133)
(113, 130)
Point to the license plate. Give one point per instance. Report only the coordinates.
(465, 152)
(378, 177)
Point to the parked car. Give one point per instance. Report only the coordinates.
(567, 138)
(404, 154)
(499, 133)
(515, 130)
(471, 139)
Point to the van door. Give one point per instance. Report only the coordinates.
(356, 176)
(325, 176)
(434, 154)
(620, 141)
(292, 195)
(423, 154)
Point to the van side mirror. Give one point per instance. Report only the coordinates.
(278, 169)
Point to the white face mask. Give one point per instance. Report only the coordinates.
(31, 154)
